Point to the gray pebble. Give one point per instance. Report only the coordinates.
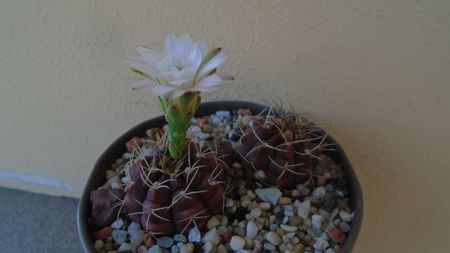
(133, 228)
(119, 236)
(179, 238)
(174, 249)
(124, 247)
(155, 249)
(208, 247)
(271, 195)
(165, 242)
(117, 224)
(270, 247)
(319, 193)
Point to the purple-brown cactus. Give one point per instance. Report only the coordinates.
(282, 149)
(169, 196)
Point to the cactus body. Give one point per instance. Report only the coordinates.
(172, 196)
(178, 112)
(281, 149)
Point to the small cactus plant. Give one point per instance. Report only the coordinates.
(169, 196)
(173, 184)
(282, 149)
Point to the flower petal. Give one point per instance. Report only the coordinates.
(202, 46)
(225, 77)
(152, 57)
(209, 82)
(143, 84)
(140, 64)
(205, 90)
(213, 63)
(167, 92)
(194, 59)
(177, 78)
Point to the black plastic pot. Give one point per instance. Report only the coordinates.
(116, 149)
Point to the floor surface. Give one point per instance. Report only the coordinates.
(37, 223)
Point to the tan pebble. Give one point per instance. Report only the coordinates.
(148, 240)
(133, 143)
(154, 133)
(295, 220)
(285, 201)
(108, 246)
(142, 249)
(207, 128)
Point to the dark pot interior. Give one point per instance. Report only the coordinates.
(117, 148)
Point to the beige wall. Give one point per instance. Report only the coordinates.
(375, 74)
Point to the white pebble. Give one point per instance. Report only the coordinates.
(252, 230)
(212, 236)
(117, 224)
(194, 235)
(288, 228)
(345, 216)
(237, 243)
(260, 174)
(316, 221)
(319, 192)
(223, 114)
(304, 209)
(320, 244)
(273, 238)
(256, 212)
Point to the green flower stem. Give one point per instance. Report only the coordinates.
(178, 113)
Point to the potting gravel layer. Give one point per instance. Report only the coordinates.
(315, 217)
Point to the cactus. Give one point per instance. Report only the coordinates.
(282, 149)
(168, 196)
(179, 112)
(172, 184)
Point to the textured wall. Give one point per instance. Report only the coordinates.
(375, 74)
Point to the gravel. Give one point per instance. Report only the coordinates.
(312, 218)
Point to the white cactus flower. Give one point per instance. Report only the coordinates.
(184, 66)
